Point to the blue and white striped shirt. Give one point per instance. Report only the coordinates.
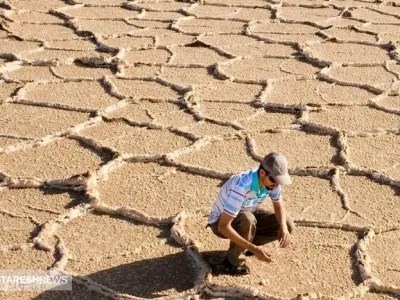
(241, 193)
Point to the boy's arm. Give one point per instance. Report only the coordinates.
(280, 213)
(225, 228)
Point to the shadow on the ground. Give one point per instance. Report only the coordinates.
(147, 278)
(214, 259)
(76, 197)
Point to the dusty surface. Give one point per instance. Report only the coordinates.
(369, 119)
(119, 121)
(376, 76)
(132, 140)
(386, 267)
(121, 249)
(363, 153)
(72, 94)
(307, 150)
(323, 204)
(295, 269)
(28, 73)
(44, 121)
(38, 206)
(316, 92)
(379, 213)
(149, 186)
(47, 163)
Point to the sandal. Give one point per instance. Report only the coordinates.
(234, 270)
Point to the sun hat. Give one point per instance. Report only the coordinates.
(277, 166)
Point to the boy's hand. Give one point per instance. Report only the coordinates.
(261, 254)
(284, 237)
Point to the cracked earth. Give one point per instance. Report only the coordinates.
(119, 120)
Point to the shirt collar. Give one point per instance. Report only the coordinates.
(255, 185)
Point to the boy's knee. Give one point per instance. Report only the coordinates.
(246, 219)
(290, 224)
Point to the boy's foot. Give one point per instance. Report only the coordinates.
(234, 270)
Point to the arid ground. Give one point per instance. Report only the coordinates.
(120, 120)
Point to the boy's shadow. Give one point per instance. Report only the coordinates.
(147, 278)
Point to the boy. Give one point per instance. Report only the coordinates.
(236, 215)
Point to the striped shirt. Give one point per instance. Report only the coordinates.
(242, 193)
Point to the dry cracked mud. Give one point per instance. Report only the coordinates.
(120, 120)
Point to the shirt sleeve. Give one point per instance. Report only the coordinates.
(276, 194)
(235, 198)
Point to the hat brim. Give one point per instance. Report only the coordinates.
(283, 179)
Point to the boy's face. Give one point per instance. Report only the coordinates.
(266, 180)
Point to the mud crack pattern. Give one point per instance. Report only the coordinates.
(119, 120)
